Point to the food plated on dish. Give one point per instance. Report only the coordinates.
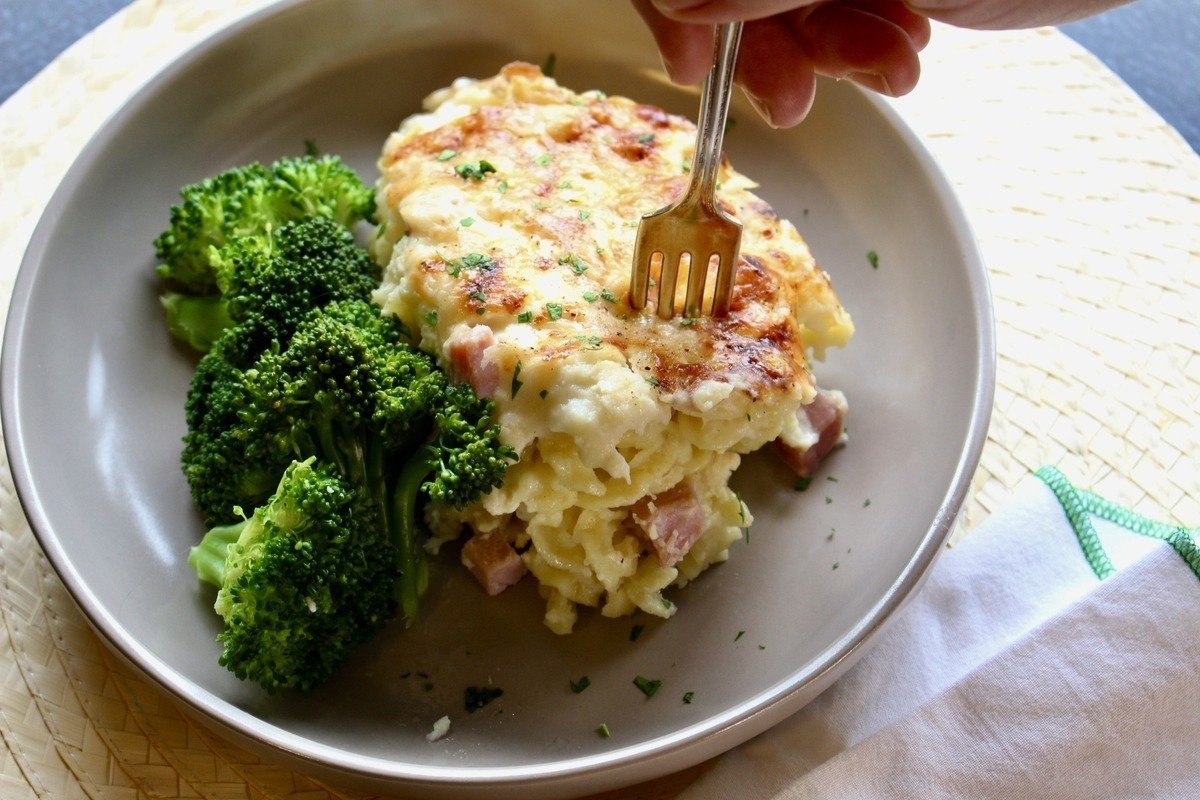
(571, 437)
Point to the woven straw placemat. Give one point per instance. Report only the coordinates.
(1087, 208)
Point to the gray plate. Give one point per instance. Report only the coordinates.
(93, 395)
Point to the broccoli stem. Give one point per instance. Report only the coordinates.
(208, 557)
(197, 320)
(402, 523)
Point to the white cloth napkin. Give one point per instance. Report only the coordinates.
(1015, 673)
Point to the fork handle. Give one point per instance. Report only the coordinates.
(714, 108)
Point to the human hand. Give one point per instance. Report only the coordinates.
(787, 43)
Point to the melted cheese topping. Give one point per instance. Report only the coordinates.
(513, 204)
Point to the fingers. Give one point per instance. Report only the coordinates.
(686, 49)
(848, 42)
(776, 72)
(713, 12)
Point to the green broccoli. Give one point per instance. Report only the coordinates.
(348, 390)
(302, 581)
(312, 262)
(251, 204)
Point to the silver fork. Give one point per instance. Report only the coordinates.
(694, 226)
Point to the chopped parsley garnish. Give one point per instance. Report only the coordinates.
(646, 138)
(607, 296)
(502, 187)
(584, 214)
(801, 484)
(740, 634)
(542, 394)
(446, 154)
(831, 478)
(543, 159)
(575, 262)
(516, 382)
(866, 502)
(591, 297)
(687, 322)
(687, 698)
(476, 697)
(593, 342)
(647, 686)
(474, 170)
(653, 381)
(873, 259)
(581, 684)
(549, 64)
(525, 316)
(431, 318)
(469, 261)
(554, 310)
(729, 123)
(762, 647)
(467, 222)
(604, 731)
(479, 295)
(832, 531)
(635, 632)
(828, 499)
(835, 565)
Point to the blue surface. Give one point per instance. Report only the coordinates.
(1154, 45)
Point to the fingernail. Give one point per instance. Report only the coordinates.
(763, 108)
(887, 87)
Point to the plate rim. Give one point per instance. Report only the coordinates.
(678, 749)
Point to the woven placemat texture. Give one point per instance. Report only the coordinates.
(1087, 209)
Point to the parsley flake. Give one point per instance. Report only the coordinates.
(873, 259)
(866, 502)
(469, 261)
(740, 634)
(835, 565)
(543, 159)
(467, 222)
(542, 394)
(502, 187)
(581, 684)
(828, 499)
(525, 316)
(831, 478)
(474, 170)
(431, 318)
(604, 731)
(647, 686)
(801, 484)
(593, 342)
(635, 632)
(591, 297)
(446, 154)
(646, 138)
(516, 382)
(476, 697)
(653, 381)
(554, 310)
(549, 64)
(687, 322)
(607, 296)
(479, 295)
(584, 214)
(687, 698)
(575, 262)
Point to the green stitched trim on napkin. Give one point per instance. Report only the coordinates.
(1080, 506)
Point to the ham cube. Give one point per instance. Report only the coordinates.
(493, 562)
(470, 361)
(825, 416)
(672, 521)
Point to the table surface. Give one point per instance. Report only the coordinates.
(1150, 44)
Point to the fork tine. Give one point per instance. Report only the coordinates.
(724, 287)
(667, 278)
(697, 275)
(639, 282)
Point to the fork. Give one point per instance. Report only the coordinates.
(695, 226)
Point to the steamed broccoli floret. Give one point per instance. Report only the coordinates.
(301, 582)
(348, 390)
(312, 262)
(250, 204)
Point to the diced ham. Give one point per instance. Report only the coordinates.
(825, 417)
(493, 562)
(470, 361)
(672, 521)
